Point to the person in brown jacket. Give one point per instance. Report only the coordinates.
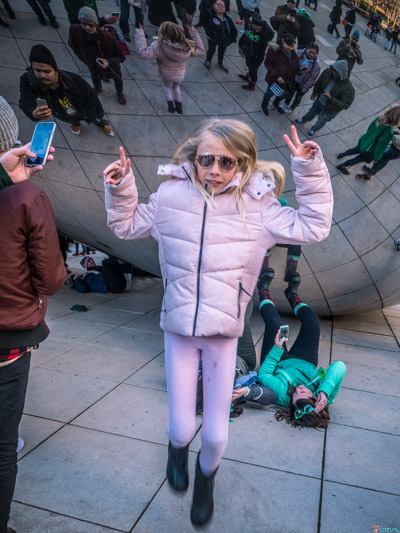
(287, 19)
(31, 267)
(98, 50)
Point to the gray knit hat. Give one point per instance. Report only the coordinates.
(8, 126)
(88, 14)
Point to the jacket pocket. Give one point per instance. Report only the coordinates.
(163, 310)
(240, 294)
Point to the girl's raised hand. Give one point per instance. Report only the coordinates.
(307, 150)
(116, 171)
(279, 341)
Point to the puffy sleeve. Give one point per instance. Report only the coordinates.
(144, 51)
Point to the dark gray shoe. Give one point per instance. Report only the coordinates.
(203, 497)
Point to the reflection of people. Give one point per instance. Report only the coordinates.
(214, 216)
(104, 278)
(31, 268)
(292, 375)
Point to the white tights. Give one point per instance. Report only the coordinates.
(172, 91)
(182, 356)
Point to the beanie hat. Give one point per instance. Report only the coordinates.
(84, 262)
(41, 54)
(89, 14)
(8, 126)
(356, 34)
(257, 19)
(304, 13)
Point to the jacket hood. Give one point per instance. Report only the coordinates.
(178, 47)
(341, 68)
(258, 186)
(302, 51)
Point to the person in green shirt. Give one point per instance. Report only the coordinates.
(302, 391)
(372, 145)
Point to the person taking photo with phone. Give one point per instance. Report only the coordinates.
(349, 49)
(45, 91)
(99, 50)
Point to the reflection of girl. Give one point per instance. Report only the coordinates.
(171, 50)
(213, 218)
(293, 375)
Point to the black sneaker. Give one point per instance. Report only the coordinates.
(341, 155)
(121, 98)
(54, 23)
(223, 67)
(42, 20)
(264, 110)
(343, 170)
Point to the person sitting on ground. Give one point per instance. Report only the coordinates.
(372, 145)
(303, 82)
(287, 20)
(253, 45)
(335, 15)
(171, 50)
(73, 6)
(302, 391)
(349, 49)
(282, 66)
(105, 278)
(306, 33)
(220, 32)
(99, 50)
(333, 92)
(68, 97)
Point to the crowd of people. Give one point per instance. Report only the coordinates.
(216, 196)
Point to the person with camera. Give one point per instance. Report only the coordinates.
(287, 20)
(372, 145)
(98, 50)
(349, 49)
(282, 66)
(45, 90)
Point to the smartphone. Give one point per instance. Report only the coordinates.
(100, 62)
(115, 13)
(41, 102)
(284, 332)
(41, 142)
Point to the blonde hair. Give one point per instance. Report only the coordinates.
(241, 141)
(169, 31)
(391, 117)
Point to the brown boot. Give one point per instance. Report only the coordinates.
(250, 86)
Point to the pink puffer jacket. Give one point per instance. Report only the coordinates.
(210, 257)
(171, 60)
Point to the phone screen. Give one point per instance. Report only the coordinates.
(40, 144)
(284, 332)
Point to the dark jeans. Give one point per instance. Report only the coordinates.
(391, 153)
(358, 159)
(124, 16)
(44, 5)
(305, 346)
(212, 45)
(347, 30)
(253, 64)
(13, 383)
(246, 349)
(96, 78)
(334, 29)
(297, 93)
(267, 97)
(7, 5)
(318, 109)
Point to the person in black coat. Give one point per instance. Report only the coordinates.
(220, 32)
(306, 33)
(69, 98)
(186, 10)
(160, 11)
(351, 19)
(253, 44)
(335, 15)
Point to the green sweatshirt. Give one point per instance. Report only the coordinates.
(278, 374)
(376, 139)
(5, 179)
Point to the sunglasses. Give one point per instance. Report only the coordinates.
(299, 413)
(225, 162)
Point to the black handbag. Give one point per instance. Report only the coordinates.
(330, 28)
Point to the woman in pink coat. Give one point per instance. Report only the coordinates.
(214, 216)
(171, 50)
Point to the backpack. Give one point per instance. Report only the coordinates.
(274, 23)
(120, 40)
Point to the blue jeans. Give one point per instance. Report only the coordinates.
(124, 16)
(391, 153)
(358, 159)
(394, 44)
(387, 42)
(13, 383)
(318, 109)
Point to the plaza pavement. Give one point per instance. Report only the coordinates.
(96, 409)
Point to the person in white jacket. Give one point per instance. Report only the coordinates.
(214, 216)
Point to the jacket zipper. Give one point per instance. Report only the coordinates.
(40, 306)
(240, 292)
(199, 268)
(163, 306)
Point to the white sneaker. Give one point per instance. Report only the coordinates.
(283, 105)
(20, 445)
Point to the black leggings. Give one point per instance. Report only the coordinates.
(305, 346)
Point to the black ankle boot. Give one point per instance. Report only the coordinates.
(291, 267)
(203, 497)
(178, 107)
(291, 290)
(171, 107)
(266, 276)
(177, 467)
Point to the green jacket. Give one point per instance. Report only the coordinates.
(376, 140)
(342, 93)
(5, 179)
(351, 56)
(278, 374)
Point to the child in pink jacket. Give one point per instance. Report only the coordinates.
(171, 50)
(214, 216)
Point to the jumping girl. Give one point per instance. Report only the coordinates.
(171, 50)
(214, 216)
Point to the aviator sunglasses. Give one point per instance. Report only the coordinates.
(225, 162)
(299, 413)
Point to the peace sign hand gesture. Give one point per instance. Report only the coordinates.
(116, 171)
(307, 150)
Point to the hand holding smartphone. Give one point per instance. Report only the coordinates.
(284, 332)
(41, 143)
